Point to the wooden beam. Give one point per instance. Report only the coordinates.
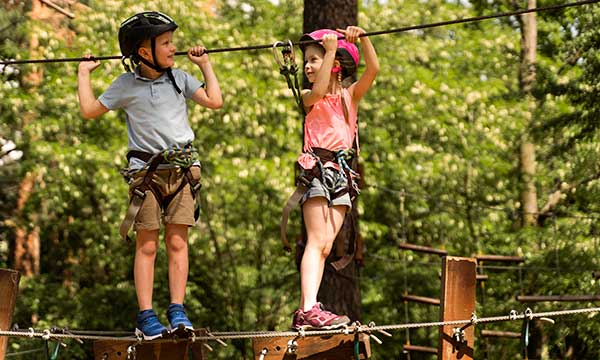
(479, 277)
(565, 298)
(58, 8)
(331, 347)
(9, 287)
(459, 286)
(423, 249)
(422, 349)
(498, 333)
(421, 299)
(152, 350)
(500, 258)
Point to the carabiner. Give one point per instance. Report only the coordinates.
(288, 60)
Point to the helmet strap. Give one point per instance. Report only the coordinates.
(125, 65)
(154, 65)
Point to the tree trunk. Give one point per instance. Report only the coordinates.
(330, 14)
(339, 290)
(27, 244)
(527, 76)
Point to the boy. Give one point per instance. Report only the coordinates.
(154, 99)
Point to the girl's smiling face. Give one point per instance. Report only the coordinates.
(313, 59)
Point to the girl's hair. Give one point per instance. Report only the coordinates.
(348, 67)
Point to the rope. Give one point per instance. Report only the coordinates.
(25, 352)
(480, 207)
(353, 329)
(375, 33)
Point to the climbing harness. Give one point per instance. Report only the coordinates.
(184, 158)
(337, 183)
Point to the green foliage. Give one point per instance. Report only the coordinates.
(439, 142)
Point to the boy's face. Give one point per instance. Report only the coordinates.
(165, 50)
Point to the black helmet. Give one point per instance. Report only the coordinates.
(142, 26)
(145, 26)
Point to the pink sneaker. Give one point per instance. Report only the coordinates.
(318, 319)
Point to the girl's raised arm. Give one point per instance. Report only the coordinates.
(360, 87)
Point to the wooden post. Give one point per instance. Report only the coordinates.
(9, 287)
(457, 303)
(330, 347)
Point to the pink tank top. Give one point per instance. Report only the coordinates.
(325, 127)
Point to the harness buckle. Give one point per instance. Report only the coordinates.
(139, 193)
(197, 187)
(304, 180)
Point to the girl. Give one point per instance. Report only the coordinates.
(330, 131)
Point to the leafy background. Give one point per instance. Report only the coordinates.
(440, 134)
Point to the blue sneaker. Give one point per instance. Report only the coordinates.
(178, 318)
(148, 325)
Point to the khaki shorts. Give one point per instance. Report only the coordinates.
(181, 208)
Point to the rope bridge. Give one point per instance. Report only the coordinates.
(356, 328)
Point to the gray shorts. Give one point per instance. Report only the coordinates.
(335, 181)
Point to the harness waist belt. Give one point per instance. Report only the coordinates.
(144, 156)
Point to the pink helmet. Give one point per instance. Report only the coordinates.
(351, 48)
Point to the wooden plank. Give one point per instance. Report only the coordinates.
(112, 350)
(152, 350)
(565, 298)
(9, 287)
(499, 333)
(421, 349)
(457, 303)
(500, 258)
(420, 299)
(423, 249)
(330, 347)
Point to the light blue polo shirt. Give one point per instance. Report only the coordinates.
(157, 116)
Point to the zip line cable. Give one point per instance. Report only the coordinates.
(306, 42)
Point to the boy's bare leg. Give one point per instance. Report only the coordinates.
(146, 246)
(176, 239)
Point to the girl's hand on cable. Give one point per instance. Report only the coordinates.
(352, 33)
(198, 55)
(88, 66)
(330, 42)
